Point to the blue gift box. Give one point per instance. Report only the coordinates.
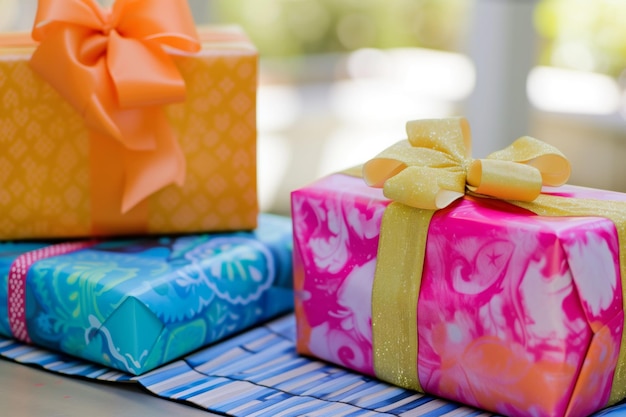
(136, 304)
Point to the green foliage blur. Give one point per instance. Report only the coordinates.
(587, 35)
(297, 27)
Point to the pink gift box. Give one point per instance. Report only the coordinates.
(518, 314)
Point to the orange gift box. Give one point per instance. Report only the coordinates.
(57, 181)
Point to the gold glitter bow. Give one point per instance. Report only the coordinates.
(434, 167)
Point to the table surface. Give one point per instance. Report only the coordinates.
(29, 392)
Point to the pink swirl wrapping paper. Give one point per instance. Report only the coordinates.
(518, 314)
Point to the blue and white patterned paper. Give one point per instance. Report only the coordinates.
(136, 304)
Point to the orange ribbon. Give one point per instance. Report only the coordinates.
(113, 68)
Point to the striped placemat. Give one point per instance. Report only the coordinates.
(258, 373)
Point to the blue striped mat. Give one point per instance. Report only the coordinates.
(258, 373)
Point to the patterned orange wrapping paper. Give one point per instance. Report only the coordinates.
(47, 174)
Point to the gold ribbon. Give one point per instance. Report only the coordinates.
(429, 171)
(434, 167)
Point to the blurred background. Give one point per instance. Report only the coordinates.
(339, 78)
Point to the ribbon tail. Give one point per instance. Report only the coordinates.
(106, 179)
(97, 115)
(149, 171)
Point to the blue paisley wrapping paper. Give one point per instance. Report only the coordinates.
(136, 304)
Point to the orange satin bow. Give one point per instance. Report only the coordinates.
(112, 67)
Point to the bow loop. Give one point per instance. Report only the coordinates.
(114, 69)
(554, 167)
(450, 136)
(153, 79)
(401, 155)
(433, 167)
(167, 22)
